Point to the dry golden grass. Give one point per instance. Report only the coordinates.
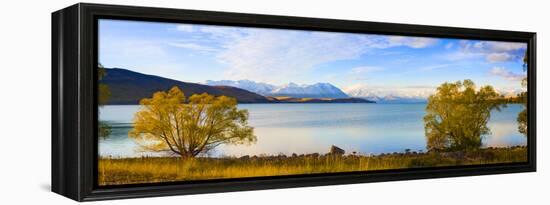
(113, 171)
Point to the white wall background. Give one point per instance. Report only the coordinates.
(25, 102)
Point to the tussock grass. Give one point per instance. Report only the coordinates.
(113, 171)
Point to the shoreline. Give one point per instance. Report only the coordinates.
(113, 171)
(263, 155)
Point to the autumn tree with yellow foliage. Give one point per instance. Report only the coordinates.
(522, 116)
(457, 116)
(168, 122)
(104, 130)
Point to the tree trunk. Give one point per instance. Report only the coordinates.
(186, 156)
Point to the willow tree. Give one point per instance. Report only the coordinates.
(457, 116)
(104, 94)
(522, 116)
(168, 122)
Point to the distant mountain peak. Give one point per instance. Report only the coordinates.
(323, 84)
(291, 84)
(291, 89)
(382, 94)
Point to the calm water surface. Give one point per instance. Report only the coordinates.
(308, 128)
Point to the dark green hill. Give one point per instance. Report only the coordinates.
(128, 87)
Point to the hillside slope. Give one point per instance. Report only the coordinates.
(128, 87)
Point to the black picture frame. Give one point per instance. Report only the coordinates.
(74, 100)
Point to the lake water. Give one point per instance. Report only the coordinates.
(309, 128)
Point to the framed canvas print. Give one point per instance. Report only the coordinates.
(154, 102)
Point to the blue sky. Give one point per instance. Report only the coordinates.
(196, 53)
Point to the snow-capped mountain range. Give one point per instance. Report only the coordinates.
(380, 94)
(317, 90)
(413, 94)
(406, 94)
(256, 87)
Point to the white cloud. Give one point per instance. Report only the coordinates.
(449, 45)
(193, 46)
(499, 57)
(461, 55)
(261, 54)
(434, 67)
(224, 33)
(413, 42)
(506, 74)
(504, 46)
(252, 53)
(185, 28)
(492, 51)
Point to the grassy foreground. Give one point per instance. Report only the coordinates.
(113, 171)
